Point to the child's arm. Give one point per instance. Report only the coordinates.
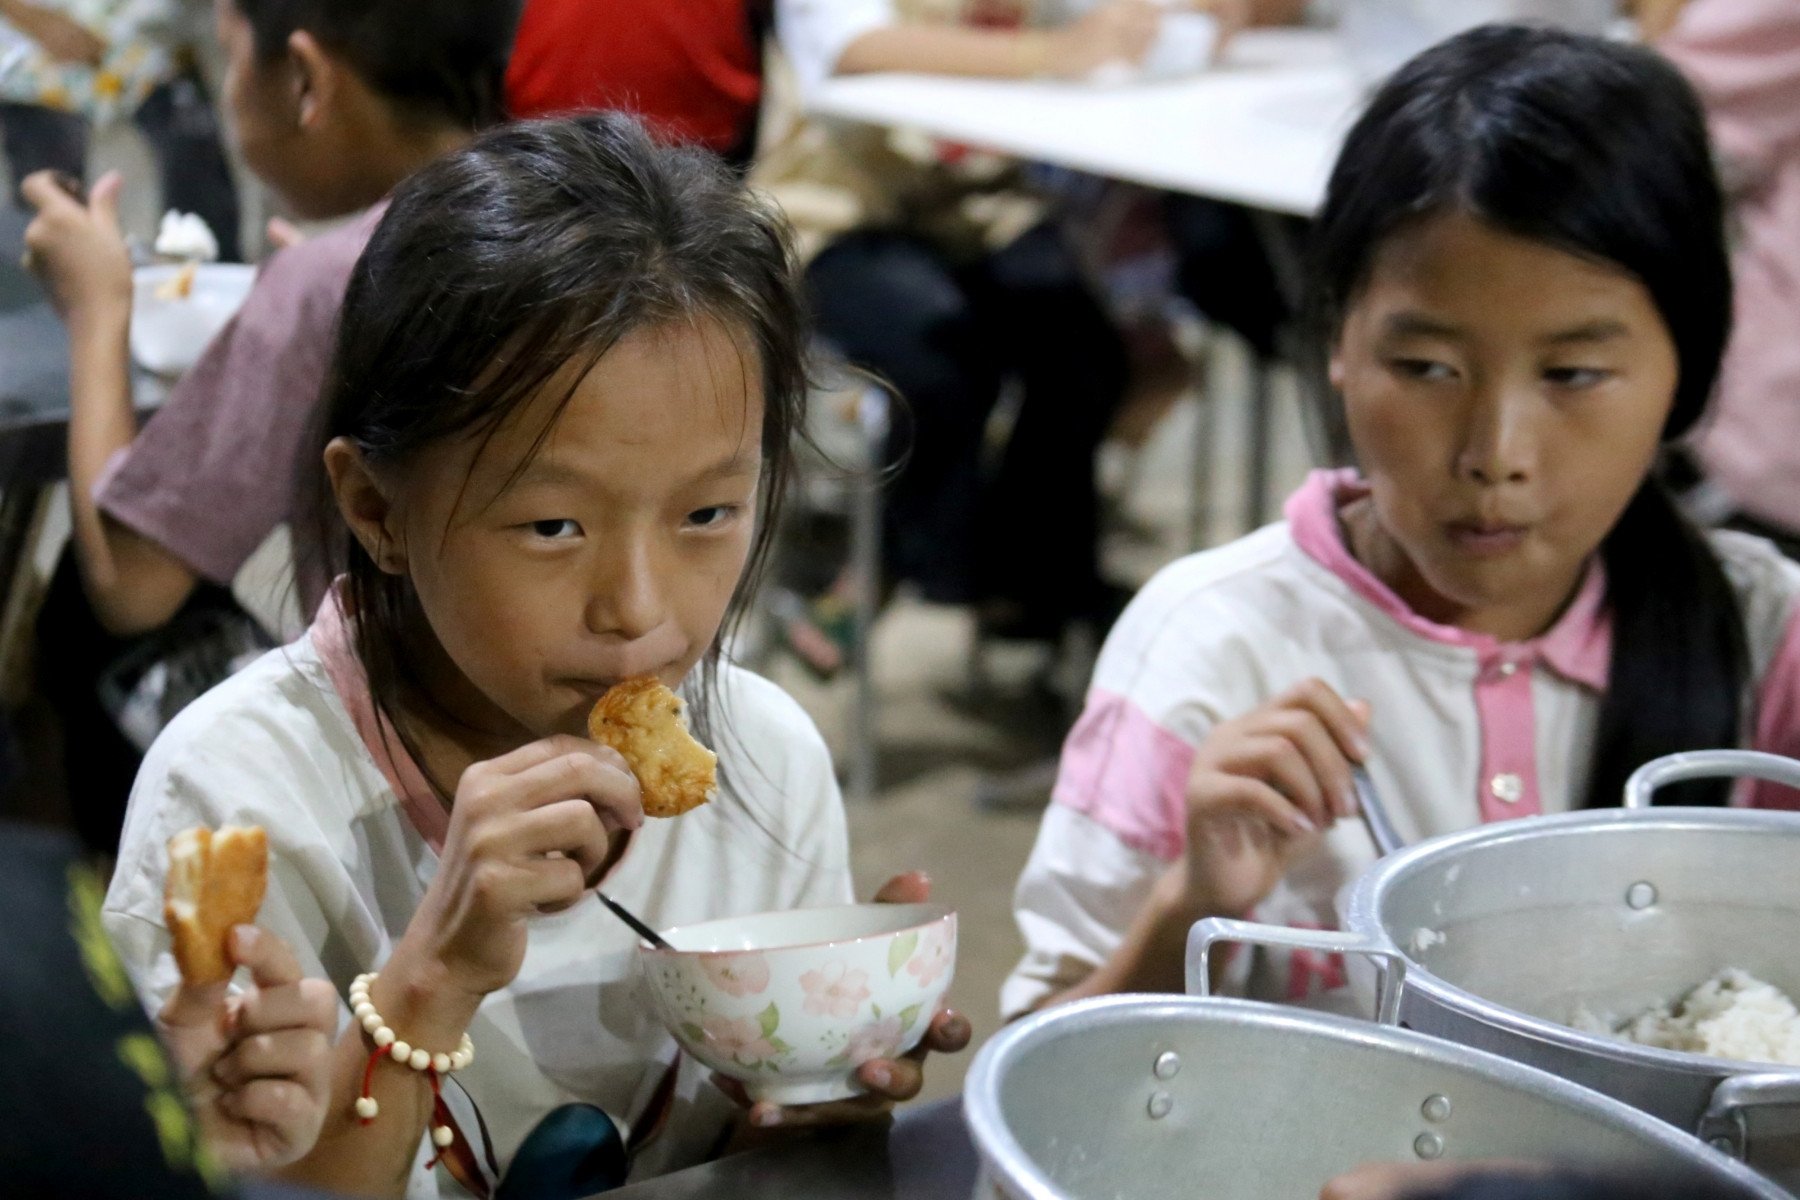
(528, 832)
(1260, 788)
(1118, 31)
(255, 1065)
(134, 584)
(63, 38)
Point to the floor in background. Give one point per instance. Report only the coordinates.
(941, 741)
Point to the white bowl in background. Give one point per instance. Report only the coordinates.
(791, 1003)
(168, 335)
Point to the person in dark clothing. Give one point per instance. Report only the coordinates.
(1018, 538)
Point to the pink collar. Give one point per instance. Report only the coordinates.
(1578, 647)
(332, 638)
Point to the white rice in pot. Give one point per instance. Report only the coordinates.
(1732, 1015)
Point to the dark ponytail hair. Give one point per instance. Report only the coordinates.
(1600, 150)
(538, 245)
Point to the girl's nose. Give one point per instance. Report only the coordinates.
(1500, 442)
(626, 600)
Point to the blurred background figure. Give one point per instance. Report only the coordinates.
(943, 272)
(1743, 57)
(692, 69)
(71, 67)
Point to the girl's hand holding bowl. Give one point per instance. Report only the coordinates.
(815, 1016)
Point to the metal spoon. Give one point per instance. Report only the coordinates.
(1374, 816)
(625, 914)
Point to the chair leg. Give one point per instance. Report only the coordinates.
(24, 511)
(1262, 439)
(1201, 453)
(866, 557)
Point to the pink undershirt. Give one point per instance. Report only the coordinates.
(1578, 646)
(332, 637)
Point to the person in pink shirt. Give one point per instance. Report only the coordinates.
(332, 104)
(1521, 295)
(1743, 57)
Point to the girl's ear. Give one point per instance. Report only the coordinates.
(315, 77)
(365, 505)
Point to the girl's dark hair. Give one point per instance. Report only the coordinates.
(538, 245)
(1600, 150)
(441, 59)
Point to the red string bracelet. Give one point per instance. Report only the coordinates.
(388, 1045)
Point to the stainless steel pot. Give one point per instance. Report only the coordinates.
(1169, 1096)
(1508, 929)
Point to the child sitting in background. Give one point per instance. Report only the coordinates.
(332, 102)
(1743, 57)
(1522, 289)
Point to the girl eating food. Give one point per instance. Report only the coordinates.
(1522, 292)
(557, 431)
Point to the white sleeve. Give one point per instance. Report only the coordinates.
(815, 33)
(826, 849)
(1075, 900)
(777, 764)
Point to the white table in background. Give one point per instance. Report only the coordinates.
(1260, 129)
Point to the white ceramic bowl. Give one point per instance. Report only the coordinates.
(791, 1003)
(167, 335)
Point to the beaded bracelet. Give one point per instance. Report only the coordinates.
(389, 1045)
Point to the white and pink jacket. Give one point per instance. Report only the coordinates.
(1466, 728)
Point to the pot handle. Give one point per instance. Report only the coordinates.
(1205, 934)
(1724, 1125)
(1708, 764)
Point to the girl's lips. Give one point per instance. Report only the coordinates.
(1485, 541)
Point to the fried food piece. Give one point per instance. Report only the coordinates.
(180, 285)
(216, 880)
(643, 721)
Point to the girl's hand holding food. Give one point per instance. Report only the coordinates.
(257, 1064)
(1264, 785)
(529, 833)
(77, 249)
(888, 1080)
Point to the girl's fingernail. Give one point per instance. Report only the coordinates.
(1303, 825)
(1347, 802)
(768, 1118)
(881, 1077)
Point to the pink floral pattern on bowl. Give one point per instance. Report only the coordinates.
(879, 1040)
(835, 991)
(742, 1040)
(935, 954)
(792, 1023)
(737, 974)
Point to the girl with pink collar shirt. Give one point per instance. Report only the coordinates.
(1522, 293)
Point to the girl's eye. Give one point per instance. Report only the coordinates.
(708, 518)
(1576, 377)
(1424, 369)
(556, 529)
